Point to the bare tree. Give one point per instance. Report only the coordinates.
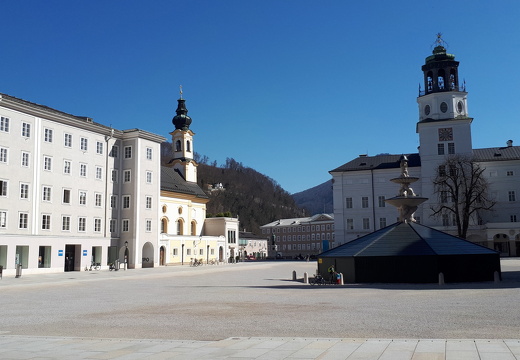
(462, 192)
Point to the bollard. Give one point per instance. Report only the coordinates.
(341, 282)
(305, 278)
(496, 276)
(441, 279)
(294, 275)
(18, 270)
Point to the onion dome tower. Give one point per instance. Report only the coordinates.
(182, 142)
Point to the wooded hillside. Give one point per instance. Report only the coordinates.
(255, 198)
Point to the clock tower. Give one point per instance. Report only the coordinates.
(444, 126)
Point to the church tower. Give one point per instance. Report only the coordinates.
(444, 126)
(182, 142)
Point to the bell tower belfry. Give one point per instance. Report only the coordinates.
(182, 143)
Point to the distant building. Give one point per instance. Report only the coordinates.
(361, 185)
(251, 245)
(300, 236)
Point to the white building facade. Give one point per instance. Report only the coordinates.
(444, 127)
(73, 191)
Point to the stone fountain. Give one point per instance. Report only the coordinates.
(406, 201)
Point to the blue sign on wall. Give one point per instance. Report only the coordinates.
(84, 252)
(60, 252)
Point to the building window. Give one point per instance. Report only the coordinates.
(451, 148)
(382, 223)
(126, 225)
(65, 223)
(99, 173)
(83, 170)
(23, 221)
(82, 224)
(114, 151)
(188, 251)
(126, 176)
(83, 198)
(97, 225)
(364, 202)
(3, 219)
(83, 144)
(24, 191)
(4, 124)
(510, 173)
(26, 130)
(348, 205)
(126, 201)
(445, 220)
(512, 196)
(366, 224)
(148, 177)
(3, 187)
(47, 135)
(113, 225)
(148, 153)
(66, 166)
(148, 225)
(46, 222)
(3, 155)
(25, 159)
(232, 236)
(175, 252)
(113, 201)
(66, 196)
(440, 149)
(513, 218)
(47, 163)
(128, 152)
(46, 194)
(99, 147)
(67, 140)
(381, 200)
(148, 202)
(442, 170)
(98, 200)
(114, 176)
(444, 197)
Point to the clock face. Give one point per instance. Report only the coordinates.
(460, 107)
(445, 134)
(427, 110)
(444, 107)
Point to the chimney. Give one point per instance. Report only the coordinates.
(509, 143)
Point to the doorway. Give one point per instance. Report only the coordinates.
(71, 257)
(162, 255)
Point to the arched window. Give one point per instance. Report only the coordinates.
(164, 226)
(193, 228)
(180, 227)
(453, 80)
(188, 146)
(441, 79)
(178, 145)
(429, 82)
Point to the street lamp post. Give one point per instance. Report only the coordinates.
(126, 253)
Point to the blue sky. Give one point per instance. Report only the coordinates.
(291, 88)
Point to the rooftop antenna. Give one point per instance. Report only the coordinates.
(439, 41)
(180, 90)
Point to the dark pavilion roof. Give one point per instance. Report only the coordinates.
(172, 180)
(406, 239)
(383, 161)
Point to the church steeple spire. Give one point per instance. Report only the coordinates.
(182, 142)
(181, 121)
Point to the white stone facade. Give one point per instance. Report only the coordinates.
(74, 191)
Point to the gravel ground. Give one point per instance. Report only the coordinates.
(254, 299)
